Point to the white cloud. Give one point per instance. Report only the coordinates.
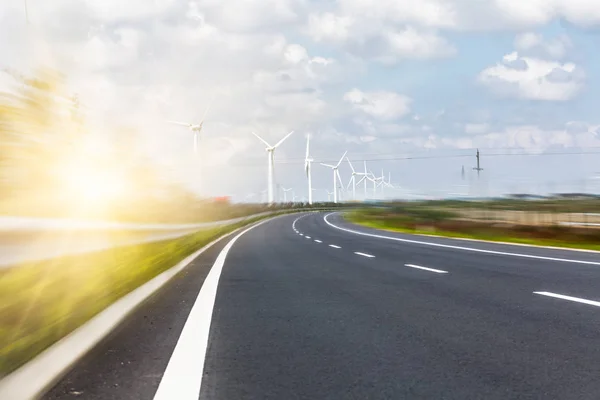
(476, 129)
(533, 78)
(380, 104)
(410, 43)
(371, 39)
(534, 44)
(328, 26)
(294, 54)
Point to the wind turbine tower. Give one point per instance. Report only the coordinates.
(336, 177)
(271, 161)
(307, 167)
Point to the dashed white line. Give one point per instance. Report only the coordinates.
(334, 246)
(364, 254)
(437, 271)
(308, 237)
(318, 241)
(296, 220)
(570, 298)
(447, 246)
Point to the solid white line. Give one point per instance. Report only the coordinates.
(570, 298)
(33, 378)
(334, 246)
(437, 271)
(363, 254)
(183, 377)
(447, 246)
(318, 241)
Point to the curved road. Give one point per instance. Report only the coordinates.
(312, 307)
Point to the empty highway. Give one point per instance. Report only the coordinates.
(312, 307)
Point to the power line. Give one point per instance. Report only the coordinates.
(437, 157)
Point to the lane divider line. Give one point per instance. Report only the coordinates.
(364, 254)
(308, 237)
(182, 378)
(334, 246)
(448, 246)
(318, 241)
(437, 271)
(570, 298)
(296, 220)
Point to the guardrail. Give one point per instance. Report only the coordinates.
(24, 239)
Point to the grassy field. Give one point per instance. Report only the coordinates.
(422, 220)
(41, 302)
(588, 205)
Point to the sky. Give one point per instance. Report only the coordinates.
(412, 86)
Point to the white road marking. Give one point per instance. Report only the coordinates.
(308, 237)
(296, 220)
(334, 246)
(301, 234)
(448, 246)
(183, 377)
(570, 298)
(364, 254)
(437, 271)
(318, 241)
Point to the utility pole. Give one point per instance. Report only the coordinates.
(478, 168)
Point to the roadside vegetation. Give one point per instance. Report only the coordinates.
(436, 218)
(41, 302)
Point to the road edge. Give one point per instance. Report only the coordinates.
(35, 377)
(474, 240)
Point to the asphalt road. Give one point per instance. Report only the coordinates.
(306, 310)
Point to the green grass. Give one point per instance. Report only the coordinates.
(398, 223)
(41, 302)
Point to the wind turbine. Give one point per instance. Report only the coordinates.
(353, 178)
(194, 128)
(307, 163)
(329, 195)
(375, 181)
(365, 177)
(271, 160)
(336, 177)
(285, 194)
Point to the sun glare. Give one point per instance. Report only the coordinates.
(92, 182)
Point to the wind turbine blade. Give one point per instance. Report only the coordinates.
(327, 165)
(341, 159)
(361, 179)
(307, 144)
(337, 173)
(207, 108)
(261, 139)
(282, 140)
(350, 164)
(179, 123)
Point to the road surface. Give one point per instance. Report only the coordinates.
(308, 308)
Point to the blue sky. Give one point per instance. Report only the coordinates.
(379, 79)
